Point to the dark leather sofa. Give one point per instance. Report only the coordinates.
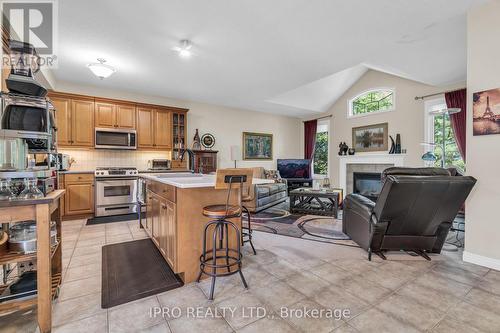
(414, 211)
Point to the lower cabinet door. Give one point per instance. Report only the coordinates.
(156, 208)
(149, 212)
(79, 198)
(171, 235)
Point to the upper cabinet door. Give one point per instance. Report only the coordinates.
(83, 123)
(63, 120)
(125, 116)
(163, 129)
(145, 133)
(105, 115)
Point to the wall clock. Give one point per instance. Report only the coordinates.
(208, 140)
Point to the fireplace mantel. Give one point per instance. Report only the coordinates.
(367, 158)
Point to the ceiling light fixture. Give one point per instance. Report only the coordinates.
(184, 48)
(100, 69)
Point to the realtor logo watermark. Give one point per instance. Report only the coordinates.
(33, 22)
(248, 312)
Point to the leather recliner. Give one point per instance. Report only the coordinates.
(414, 211)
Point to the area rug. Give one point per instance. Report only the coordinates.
(134, 270)
(312, 227)
(113, 218)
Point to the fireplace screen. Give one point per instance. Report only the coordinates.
(367, 184)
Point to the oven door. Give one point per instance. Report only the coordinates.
(116, 191)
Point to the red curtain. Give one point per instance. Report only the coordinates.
(458, 99)
(310, 128)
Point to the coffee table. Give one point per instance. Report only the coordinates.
(323, 202)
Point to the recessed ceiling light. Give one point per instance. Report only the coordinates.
(100, 69)
(184, 48)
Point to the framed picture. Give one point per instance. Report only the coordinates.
(370, 138)
(257, 146)
(486, 112)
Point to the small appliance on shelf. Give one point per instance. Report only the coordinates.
(159, 164)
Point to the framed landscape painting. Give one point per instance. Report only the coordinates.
(370, 138)
(486, 112)
(257, 146)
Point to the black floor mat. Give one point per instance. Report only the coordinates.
(134, 270)
(114, 218)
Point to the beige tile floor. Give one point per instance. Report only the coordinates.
(402, 294)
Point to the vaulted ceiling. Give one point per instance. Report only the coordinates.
(293, 57)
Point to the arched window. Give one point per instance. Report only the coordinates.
(372, 101)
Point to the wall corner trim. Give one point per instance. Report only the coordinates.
(481, 260)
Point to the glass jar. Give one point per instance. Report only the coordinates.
(31, 190)
(5, 191)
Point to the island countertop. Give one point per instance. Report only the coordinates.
(191, 180)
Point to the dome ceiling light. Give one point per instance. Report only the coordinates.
(100, 69)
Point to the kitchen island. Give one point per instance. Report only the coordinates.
(174, 219)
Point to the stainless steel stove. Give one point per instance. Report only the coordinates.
(116, 191)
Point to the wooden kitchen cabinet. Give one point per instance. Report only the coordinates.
(163, 129)
(63, 120)
(105, 115)
(82, 113)
(158, 127)
(154, 128)
(79, 196)
(113, 115)
(74, 121)
(169, 233)
(145, 135)
(161, 216)
(156, 227)
(149, 213)
(125, 116)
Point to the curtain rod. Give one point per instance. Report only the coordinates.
(436, 94)
(329, 116)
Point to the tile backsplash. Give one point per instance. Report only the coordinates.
(90, 159)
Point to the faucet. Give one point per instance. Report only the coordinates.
(182, 152)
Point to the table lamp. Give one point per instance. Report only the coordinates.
(235, 154)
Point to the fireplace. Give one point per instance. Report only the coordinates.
(367, 184)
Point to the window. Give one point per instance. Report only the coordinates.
(320, 159)
(372, 101)
(434, 136)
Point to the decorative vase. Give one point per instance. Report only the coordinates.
(351, 151)
(196, 141)
(398, 144)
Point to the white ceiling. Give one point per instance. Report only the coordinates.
(293, 57)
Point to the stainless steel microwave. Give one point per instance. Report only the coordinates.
(108, 138)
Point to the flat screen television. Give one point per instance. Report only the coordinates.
(298, 169)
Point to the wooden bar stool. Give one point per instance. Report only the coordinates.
(246, 231)
(222, 260)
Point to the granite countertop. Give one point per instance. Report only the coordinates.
(190, 180)
(164, 171)
(76, 171)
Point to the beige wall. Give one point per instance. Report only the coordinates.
(226, 124)
(482, 236)
(407, 119)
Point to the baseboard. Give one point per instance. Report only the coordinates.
(481, 260)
